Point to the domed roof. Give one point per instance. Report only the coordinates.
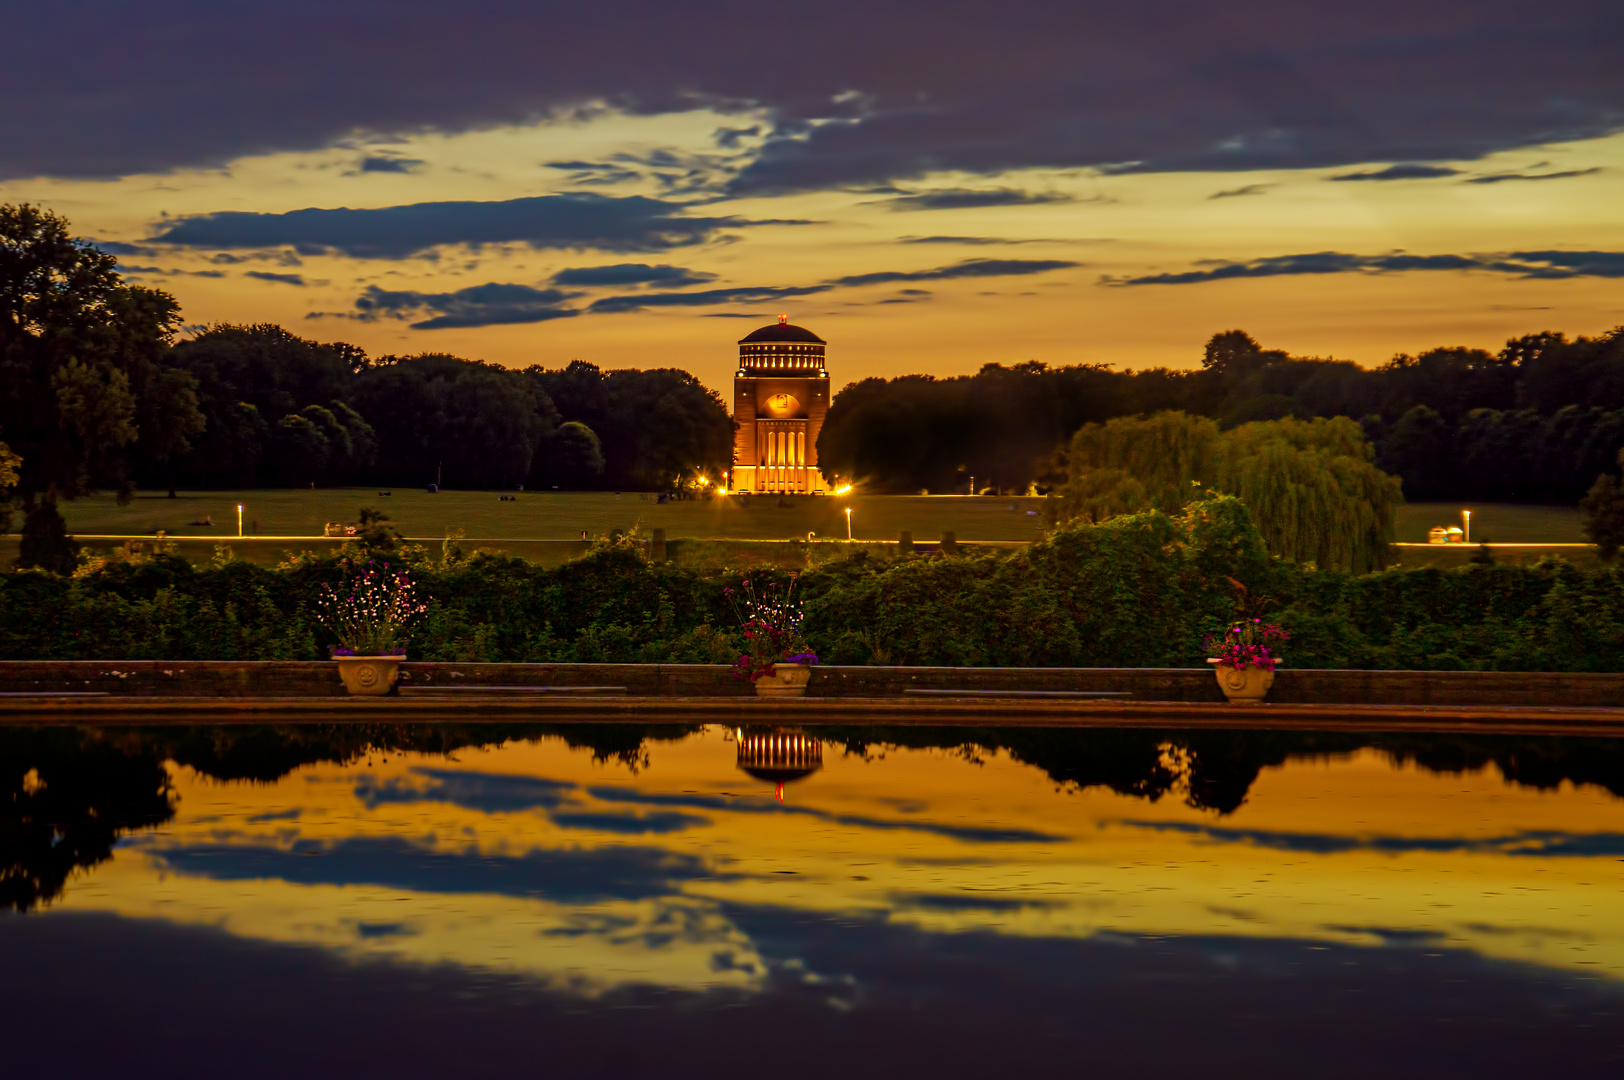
(782, 331)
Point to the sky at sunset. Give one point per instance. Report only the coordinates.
(929, 187)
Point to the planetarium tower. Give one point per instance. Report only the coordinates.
(780, 397)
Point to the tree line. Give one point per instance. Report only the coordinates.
(1536, 421)
(283, 411)
(99, 393)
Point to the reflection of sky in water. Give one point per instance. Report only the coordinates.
(535, 859)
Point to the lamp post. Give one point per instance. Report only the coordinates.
(239, 519)
(848, 524)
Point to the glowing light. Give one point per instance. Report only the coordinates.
(239, 519)
(848, 523)
(844, 489)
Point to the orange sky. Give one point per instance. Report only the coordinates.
(1110, 227)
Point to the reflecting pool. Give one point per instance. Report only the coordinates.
(618, 900)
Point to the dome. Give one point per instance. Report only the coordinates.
(782, 331)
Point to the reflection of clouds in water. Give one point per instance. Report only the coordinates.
(1527, 842)
(968, 833)
(504, 793)
(487, 793)
(576, 875)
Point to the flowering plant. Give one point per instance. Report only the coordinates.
(1248, 643)
(770, 617)
(370, 611)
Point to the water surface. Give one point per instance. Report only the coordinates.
(629, 901)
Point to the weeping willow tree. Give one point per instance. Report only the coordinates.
(1311, 485)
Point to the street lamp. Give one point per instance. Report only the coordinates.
(848, 524)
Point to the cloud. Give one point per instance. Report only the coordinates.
(632, 274)
(1249, 189)
(137, 271)
(1501, 178)
(1405, 171)
(611, 305)
(285, 279)
(573, 221)
(971, 240)
(382, 164)
(491, 304)
(599, 173)
(1547, 265)
(117, 247)
(923, 88)
(967, 199)
(969, 268)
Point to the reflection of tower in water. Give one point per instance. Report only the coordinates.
(778, 755)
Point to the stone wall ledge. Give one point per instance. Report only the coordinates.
(316, 679)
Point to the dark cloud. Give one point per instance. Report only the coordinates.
(969, 268)
(491, 304)
(1249, 189)
(611, 305)
(591, 172)
(116, 247)
(974, 241)
(285, 279)
(1501, 178)
(1524, 264)
(968, 199)
(495, 303)
(137, 271)
(632, 274)
(574, 221)
(1405, 171)
(854, 96)
(381, 164)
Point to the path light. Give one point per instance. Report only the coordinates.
(1466, 534)
(239, 519)
(848, 523)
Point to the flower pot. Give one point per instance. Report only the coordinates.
(368, 675)
(1242, 684)
(787, 680)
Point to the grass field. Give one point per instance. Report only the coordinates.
(540, 526)
(1493, 523)
(561, 515)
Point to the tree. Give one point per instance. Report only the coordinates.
(80, 352)
(299, 450)
(1602, 509)
(571, 458)
(10, 464)
(1312, 486)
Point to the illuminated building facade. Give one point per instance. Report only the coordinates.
(780, 397)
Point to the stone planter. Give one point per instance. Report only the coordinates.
(368, 676)
(787, 680)
(1249, 684)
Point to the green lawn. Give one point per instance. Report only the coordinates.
(1494, 523)
(532, 525)
(560, 515)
